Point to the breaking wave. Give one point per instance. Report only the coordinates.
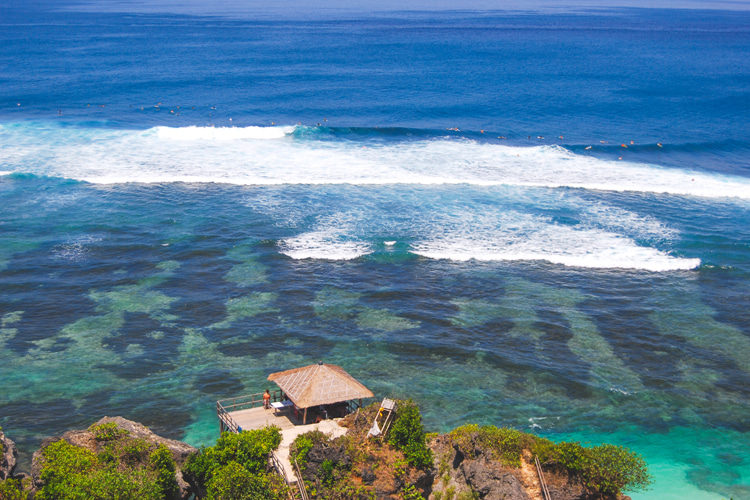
(282, 155)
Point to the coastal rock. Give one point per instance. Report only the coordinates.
(367, 475)
(563, 486)
(85, 439)
(8, 457)
(478, 475)
(322, 452)
(491, 482)
(180, 451)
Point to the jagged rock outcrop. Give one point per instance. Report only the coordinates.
(86, 439)
(180, 451)
(323, 452)
(490, 481)
(481, 474)
(8, 457)
(564, 486)
(456, 472)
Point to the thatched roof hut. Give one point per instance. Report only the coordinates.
(319, 384)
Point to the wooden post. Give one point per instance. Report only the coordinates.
(304, 419)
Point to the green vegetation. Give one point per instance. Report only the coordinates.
(113, 464)
(107, 432)
(237, 466)
(302, 445)
(162, 462)
(450, 493)
(235, 482)
(506, 444)
(608, 469)
(412, 493)
(331, 477)
(407, 435)
(12, 489)
(124, 468)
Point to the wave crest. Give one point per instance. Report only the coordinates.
(276, 155)
(194, 133)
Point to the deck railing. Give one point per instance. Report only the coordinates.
(226, 422)
(225, 406)
(354, 404)
(542, 481)
(300, 481)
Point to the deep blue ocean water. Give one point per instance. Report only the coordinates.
(534, 219)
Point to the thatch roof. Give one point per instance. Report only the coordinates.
(319, 385)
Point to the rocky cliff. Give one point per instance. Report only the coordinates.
(8, 457)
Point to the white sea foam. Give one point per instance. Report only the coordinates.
(271, 155)
(219, 133)
(323, 246)
(467, 234)
(76, 249)
(334, 238)
(619, 220)
(523, 237)
(434, 223)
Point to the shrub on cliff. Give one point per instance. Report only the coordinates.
(302, 445)
(237, 459)
(504, 444)
(12, 489)
(608, 469)
(407, 434)
(130, 468)
(108, 432)
(235, 482)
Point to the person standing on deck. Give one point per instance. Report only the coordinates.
(266, 399)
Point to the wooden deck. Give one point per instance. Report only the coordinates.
(256, 418)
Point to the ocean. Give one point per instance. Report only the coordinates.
(537, 219)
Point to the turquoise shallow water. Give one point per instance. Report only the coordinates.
(513, 272)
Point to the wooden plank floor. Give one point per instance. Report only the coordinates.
(256, 418)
